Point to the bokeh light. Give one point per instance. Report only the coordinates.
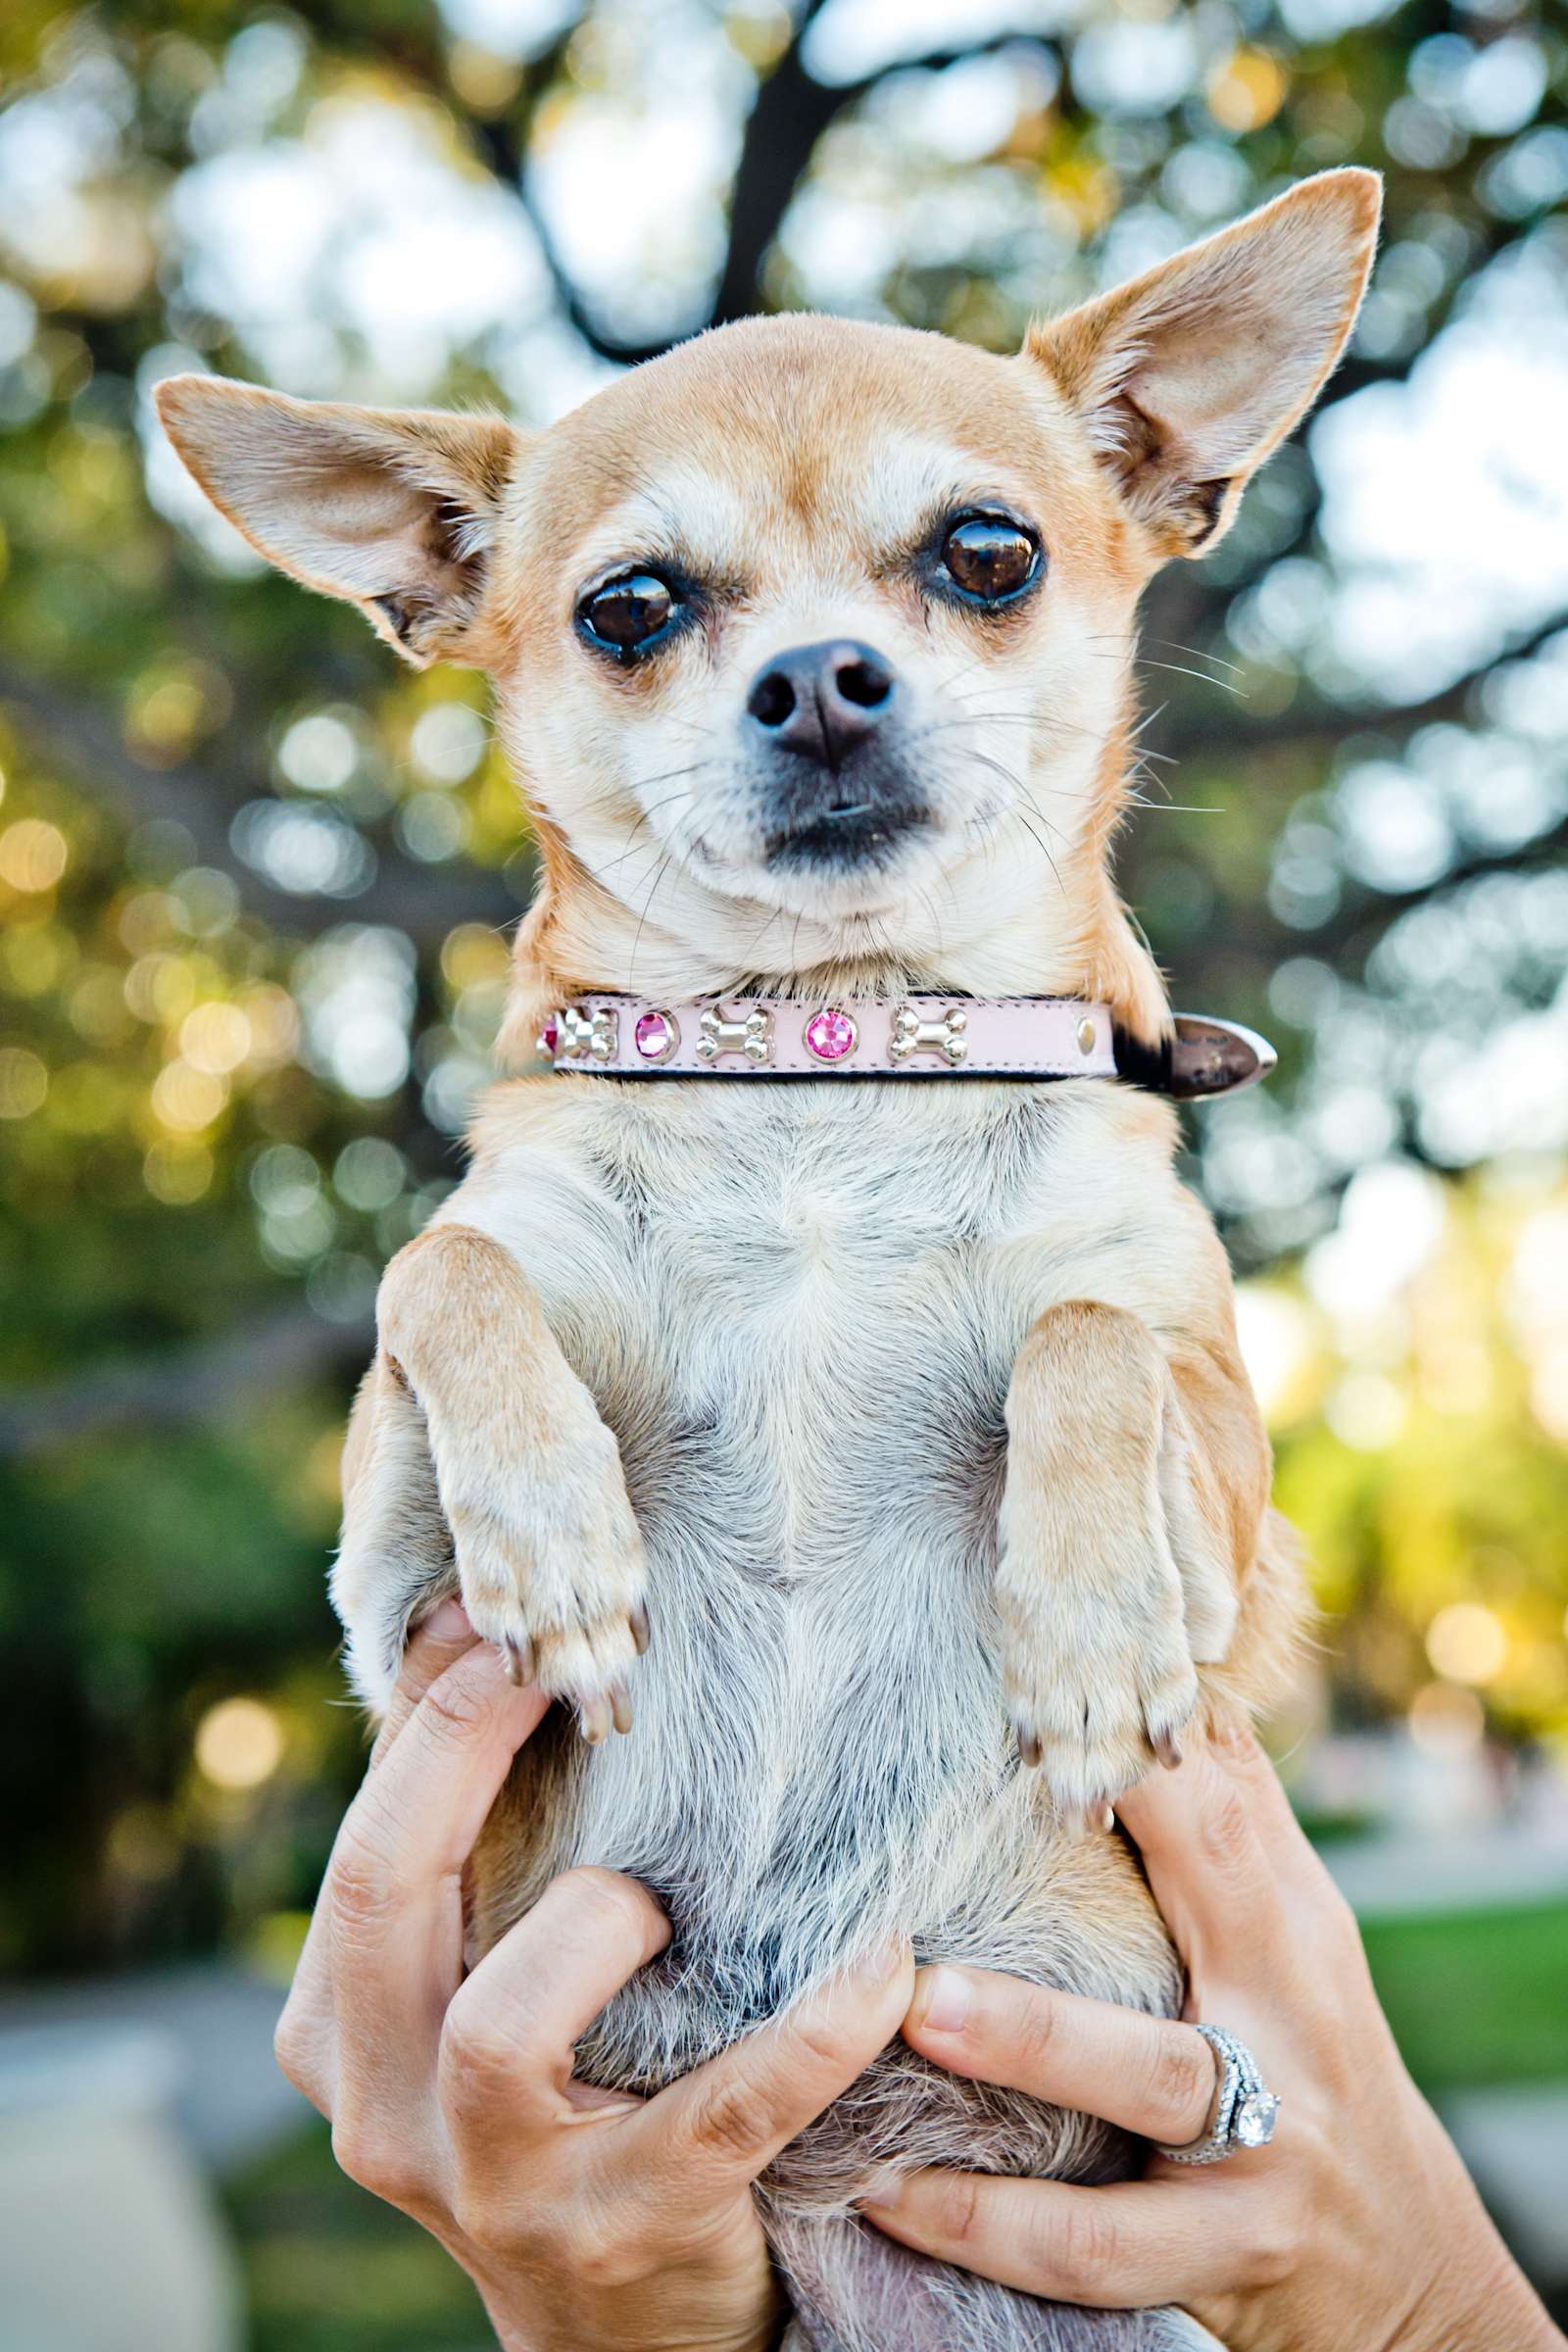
(239, 1744)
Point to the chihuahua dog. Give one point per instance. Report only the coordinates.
(908, 1414)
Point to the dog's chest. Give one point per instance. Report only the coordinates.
(799, 1307)
(818, 1317)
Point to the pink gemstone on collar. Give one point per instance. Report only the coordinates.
(655, 1035)
(831, 1034)
(549, 1036)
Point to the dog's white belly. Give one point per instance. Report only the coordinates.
(802, 1334)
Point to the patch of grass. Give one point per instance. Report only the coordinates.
(1476, 1996)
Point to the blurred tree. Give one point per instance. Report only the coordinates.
(253, 878)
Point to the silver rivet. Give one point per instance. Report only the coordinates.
(1088, 1034)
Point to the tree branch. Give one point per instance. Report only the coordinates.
(423, 904)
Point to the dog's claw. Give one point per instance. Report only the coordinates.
(1029, 1748)
(621, 1707)
(1108, 1819)
(596, 1718)
(640, 1630)
(1168, 1751)
(517, 1659)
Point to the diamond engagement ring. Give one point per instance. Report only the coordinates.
(1244, 2111)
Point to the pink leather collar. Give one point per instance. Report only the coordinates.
(878, 1037)
(782, 1037)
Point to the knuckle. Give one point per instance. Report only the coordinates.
(376, 2163)
(1274, 2243)
(363, 1888)
(298, 2053)
(1226, 1833)
(1035, 2029)
(959, 2203)
(602, 2255)
(453, 1711)
(1077, 2248)
(610, 1905)
(1337, 1925)
(1180, 2081)
(816, 2040)
(477, 2057)
(731, 2120)
(490, 2224)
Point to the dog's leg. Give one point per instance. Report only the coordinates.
(394, 1560)
(853, 2290)
(477, 1424)
(1135, 1490)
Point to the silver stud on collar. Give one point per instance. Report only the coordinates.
(752, 1035)
(587, 1036)
(912, 1035)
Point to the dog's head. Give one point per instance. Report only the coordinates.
(811, 639)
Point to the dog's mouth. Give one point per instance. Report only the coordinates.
(854, 832)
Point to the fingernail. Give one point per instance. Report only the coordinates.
(448, 1623)
(945, 2007)
(883, 2198)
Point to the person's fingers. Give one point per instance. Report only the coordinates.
(395, 1882)
(1148, 2074)
(723, 2123)
(306, 2040)
(1123, 2247)
(1197, 1831)
(433, 1647)
(507, 2042)
(1230, 1868)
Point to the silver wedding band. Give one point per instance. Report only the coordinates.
(1244, 2111)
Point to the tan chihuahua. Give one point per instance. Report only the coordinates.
(910, 1414)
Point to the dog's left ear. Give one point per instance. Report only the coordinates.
(394, 510)
(1188, 378)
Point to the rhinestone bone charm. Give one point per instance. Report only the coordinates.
(586, 1036)
(912, 1035)
(752, 1035)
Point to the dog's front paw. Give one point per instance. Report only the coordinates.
(1097, 1673)
(550, 1566)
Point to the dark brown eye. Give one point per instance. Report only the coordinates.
(625, 615)
(989, 557)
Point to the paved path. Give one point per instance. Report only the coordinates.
(1469, 1870)
(215, 2022)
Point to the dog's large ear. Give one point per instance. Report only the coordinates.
(1186, 378)
(394, 509)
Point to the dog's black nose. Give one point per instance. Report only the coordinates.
(822, 700)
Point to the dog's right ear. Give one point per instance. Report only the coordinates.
(396, 509)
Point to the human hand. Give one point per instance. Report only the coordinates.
(1356, 2225)
(586, 2219)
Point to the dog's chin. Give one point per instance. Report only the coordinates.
(834, 873)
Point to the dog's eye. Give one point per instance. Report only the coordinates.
(626, 613)
(989, 557)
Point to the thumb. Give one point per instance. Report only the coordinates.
(725, 2123)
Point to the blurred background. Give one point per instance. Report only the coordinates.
(256, 879)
